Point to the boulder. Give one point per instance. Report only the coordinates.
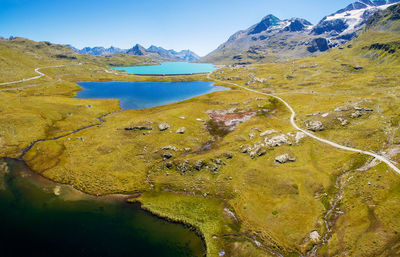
(170, 147)
(314, 125)
(57, 190)
(167, 155)
(284, 159)
(343, 122)
(163, 126)
(315, 237)
(357, 114)
(277, 141)
(181, 130)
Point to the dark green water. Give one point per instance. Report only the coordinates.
(36, 222)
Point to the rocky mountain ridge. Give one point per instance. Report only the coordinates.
(153, 52)
(274, 40)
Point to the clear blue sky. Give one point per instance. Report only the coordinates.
(200, 25)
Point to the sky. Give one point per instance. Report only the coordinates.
(199, 25)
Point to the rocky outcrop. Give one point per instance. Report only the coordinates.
(277, 141)
(284, 158)
(141, 127)
(314, 125)
(318, 44)
(273, 39)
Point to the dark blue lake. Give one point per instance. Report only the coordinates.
(38, 223)
(140, 95)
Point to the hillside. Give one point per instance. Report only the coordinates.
(274, 40)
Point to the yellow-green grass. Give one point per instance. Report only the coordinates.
(277, 205)
(204, 214)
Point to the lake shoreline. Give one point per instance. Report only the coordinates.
(119, 199)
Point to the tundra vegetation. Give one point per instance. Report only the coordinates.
(225, 174)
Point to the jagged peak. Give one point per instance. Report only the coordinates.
(268, 21)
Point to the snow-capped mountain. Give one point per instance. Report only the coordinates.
(273, 39)
(343, 25)
(270, 37)
(153, 52)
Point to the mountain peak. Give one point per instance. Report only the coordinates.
(297, 24)
(268, 21)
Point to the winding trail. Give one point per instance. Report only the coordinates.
(38, 72)
(293, 123)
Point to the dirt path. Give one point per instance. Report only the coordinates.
(36, 77)
(325, 141)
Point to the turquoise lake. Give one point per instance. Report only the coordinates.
(169, 68)
(140, 95)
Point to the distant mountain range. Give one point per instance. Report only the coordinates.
(155, 53)
(273, 39)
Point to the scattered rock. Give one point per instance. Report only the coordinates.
(252, 135)
(167, 155)
(314, 125)
(169, 165)
(284, 159)
(199, 165)
(228, 155)
(325, 115)
(163, 126)
(181, 130)
(139, 128)
(363, 109)
(358, 67)
(357, 114)
(343, 122)
(170, 147)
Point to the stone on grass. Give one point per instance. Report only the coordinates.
(315, 237)
(284, 158)
(277, 141)
(357, 114)
(181, 130)
(167, 156)
(163, 126)
(314, 125)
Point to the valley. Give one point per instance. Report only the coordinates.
(300, 157)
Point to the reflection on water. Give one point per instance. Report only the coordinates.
(41, 218)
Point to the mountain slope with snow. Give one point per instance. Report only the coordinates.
(274, 40)
(153, 52)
